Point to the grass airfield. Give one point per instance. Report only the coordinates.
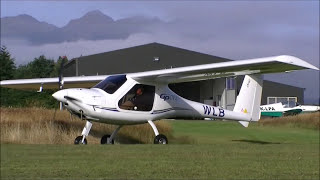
(197, 150)
(220, 161)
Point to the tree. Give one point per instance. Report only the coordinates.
(7, 65)
(61, 60)
(40, 67)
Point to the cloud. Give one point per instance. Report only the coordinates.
(24, 52)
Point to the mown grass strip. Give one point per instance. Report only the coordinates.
(209, 150)
(239, 160)
(212, 132)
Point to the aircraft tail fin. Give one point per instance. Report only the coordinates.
(249, 98)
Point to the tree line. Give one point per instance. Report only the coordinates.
(39, 67)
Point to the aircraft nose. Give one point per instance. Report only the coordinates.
(59, 95)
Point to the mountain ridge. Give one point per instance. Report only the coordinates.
(94, 25)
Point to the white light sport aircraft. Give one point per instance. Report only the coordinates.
(145, 97)
(278, 109)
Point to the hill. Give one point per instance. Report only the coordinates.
(94, 25)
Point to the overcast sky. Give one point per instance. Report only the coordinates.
(233, 29)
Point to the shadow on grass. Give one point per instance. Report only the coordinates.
(122, 139)
(255, 141)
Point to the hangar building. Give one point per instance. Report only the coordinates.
(154, 56)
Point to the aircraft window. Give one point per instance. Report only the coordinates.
(112, 83)
(139, 98)
(271, 100)
(292, 102)
(285, 104)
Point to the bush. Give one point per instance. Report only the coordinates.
(19, 98)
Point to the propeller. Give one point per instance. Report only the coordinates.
(60, 83)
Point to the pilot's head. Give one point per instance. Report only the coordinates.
(139, 91)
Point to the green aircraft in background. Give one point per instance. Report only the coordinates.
(278, 110)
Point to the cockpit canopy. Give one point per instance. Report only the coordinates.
(112, 83)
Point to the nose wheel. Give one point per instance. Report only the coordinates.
(78, 140)
(160, 139)
(85, 132)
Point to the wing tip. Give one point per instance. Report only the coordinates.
(296, 61)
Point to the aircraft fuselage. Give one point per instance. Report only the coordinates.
(96, 104)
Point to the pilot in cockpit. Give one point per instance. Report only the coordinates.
(136, 102)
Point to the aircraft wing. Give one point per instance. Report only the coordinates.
(175, 75)
(234, 68)
(53, 83)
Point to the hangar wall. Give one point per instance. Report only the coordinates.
(153, 56)
(213, 92)
(273, 89)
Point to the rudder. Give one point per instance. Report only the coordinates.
(249, 98)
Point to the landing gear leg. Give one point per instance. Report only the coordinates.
(85, 132)
(107, 139)
(160, 138)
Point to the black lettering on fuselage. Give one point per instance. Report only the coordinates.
(267, 108)
(221, 112)
(208, 109)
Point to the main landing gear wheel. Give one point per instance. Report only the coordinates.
(105, 139)
(160, 139)
(78, 140)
